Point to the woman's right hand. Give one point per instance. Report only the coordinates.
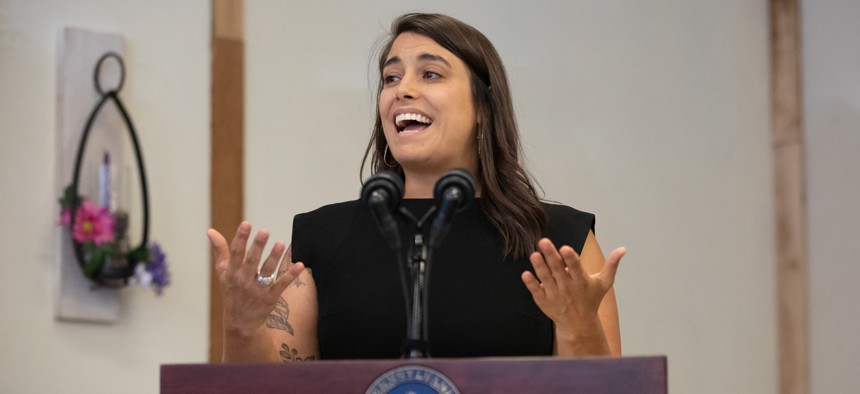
(247, 303)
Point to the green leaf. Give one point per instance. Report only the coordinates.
(141, 253)
(89, 247)
(68, 197)
(94, 263)
(110, 247)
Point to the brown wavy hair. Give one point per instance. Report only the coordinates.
(509, 198)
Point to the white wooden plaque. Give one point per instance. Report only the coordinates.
(76, 299)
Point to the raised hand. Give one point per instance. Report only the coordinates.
(570, 296)
(247, 300)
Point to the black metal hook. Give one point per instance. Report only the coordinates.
(133, 256)
(98, 69)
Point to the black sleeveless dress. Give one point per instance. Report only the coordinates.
(478, 305)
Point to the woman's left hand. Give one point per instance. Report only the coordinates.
(569, 295)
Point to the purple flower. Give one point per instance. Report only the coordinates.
(157, 267)
(93, 224)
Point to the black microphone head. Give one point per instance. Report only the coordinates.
(387, 182)
(461, 179)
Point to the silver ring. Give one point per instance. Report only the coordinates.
(265, 280)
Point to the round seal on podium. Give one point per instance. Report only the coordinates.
(411, 379)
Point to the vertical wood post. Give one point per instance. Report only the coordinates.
(227, 106)
(790, 196)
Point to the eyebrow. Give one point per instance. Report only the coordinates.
(427, 57)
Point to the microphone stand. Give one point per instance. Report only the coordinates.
(418, 259)
(418, 267)
(454, 190)
(451, 190)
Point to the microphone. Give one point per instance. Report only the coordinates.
(382, 193)
(454, 192)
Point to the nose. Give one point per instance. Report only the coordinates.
(407, 89)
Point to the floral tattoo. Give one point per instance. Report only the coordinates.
(278, 319)
(289, 354)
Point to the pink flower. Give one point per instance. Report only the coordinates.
(93, 224)
(65, 217)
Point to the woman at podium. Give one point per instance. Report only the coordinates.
(513, 276)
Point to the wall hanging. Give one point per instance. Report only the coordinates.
(97, 254)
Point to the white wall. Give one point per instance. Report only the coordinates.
(654, 115)
(832, 110)
(167, 94)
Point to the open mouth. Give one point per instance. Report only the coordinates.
(411, 122)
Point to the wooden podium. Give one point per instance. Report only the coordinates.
(483, 375)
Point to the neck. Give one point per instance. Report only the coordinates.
(421, 184)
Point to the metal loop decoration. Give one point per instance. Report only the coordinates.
(138, 253)
(99, 68)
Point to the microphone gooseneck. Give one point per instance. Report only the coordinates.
(382, 193)
(453, 193)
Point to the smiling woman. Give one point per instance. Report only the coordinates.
(483, 101)
(443, 103)
(427, 112)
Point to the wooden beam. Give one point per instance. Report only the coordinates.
(227, 105)
(790, 197)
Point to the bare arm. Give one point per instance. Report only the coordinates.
(592, 260)
(264, 323)
(292, 325)
(576, 293)
(290, 331)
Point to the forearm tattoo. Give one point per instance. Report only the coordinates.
(293, 355)
(278, 319)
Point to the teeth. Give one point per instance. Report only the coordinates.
(400, 119)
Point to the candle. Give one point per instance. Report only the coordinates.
(104, 181)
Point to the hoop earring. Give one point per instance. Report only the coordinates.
(385, 158)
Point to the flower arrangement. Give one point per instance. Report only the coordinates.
(102, 237)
